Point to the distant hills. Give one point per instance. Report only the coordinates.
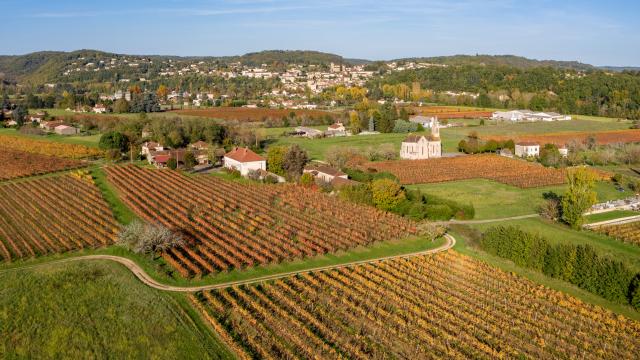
(47, 66)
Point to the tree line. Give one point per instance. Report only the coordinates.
(580, 265)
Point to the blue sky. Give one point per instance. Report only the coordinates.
(595, 32)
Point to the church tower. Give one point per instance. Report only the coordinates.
(435, 128)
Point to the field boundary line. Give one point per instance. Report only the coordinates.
(149, 281)
(618, 221)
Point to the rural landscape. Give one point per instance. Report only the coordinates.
(298, 204)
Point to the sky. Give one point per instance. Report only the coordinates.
(594, 32)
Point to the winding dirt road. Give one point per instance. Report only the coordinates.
(149, 281)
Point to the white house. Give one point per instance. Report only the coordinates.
(564, 151)
(416, 147)
(65, 130)
(99, 109)
(244, 160)
(425, 121)
(149, 146)
(336, 129)
(526, 149)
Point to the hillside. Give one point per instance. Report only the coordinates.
(501, 60)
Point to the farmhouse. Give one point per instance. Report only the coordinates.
(528, 115)
(336, 129)
(425, 121)
(324, 172)
(51, 125)
(416, 147)
(99, 109)
(308, 132)
(244, 160)
(526, 149)
(65, 130)
(149, 147)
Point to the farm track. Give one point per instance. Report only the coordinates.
(149, 281)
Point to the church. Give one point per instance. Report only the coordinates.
(416, 147)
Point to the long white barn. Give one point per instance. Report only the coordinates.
(528, 115)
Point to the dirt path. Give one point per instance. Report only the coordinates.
(149, 281)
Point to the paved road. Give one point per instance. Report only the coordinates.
(148, 280)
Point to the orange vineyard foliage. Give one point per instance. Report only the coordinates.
(44, 147)
(602, 137)
(446, 306)
(252, 114)
(53, 215)
(629, 232)
(231, 225)
(501, 169)
(452, 112)
(15, 164)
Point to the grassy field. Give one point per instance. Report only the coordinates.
(495, 200)
(318, 147)
(87, 140)
(557, 233)
(610, 215)
(97, 310)
(121, 212)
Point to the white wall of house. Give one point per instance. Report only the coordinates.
(527, 150)
(245, 167)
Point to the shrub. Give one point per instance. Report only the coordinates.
(307, 180)
(438, 212)
(148, 238)
(386, 193)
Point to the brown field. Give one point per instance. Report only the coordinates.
(446, 306)
(252, 114)
(452, 112)
(513, 172)
(602, 137)
(48, 148)
(16, 164)
(53, 215)
(229, 225)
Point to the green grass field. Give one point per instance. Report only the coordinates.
(610, 215)
(493, 200)
(87, 140)
(97, 310)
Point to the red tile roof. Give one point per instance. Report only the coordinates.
(161, 159)
(243, 155)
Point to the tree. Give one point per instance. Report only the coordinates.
(275, 159)
(121, 106)
(354, 123)
(19, 115)
(386, 193)
(550, 155)
(294, 161)
(172, 164)
(189, 160)
(162, 92)
(114, 140)
(404, 115)
(307, 180)
(579, 197)
(148, 238)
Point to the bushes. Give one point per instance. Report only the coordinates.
(148, 238)
(580, 265)
(361, 176)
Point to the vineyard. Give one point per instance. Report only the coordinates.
(229, 225)
(16, 164)
(442, 306)
(49, 148)
(501, 169)
(449, 112)
(53, 215)
(627, 232)
(560, 139)
(252, 114)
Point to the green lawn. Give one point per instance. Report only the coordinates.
(87, 140)
(557, 233)
(495, 200)
(610, 215)
(97, 310)
(121, 212)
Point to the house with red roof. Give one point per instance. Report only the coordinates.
(244, 160)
